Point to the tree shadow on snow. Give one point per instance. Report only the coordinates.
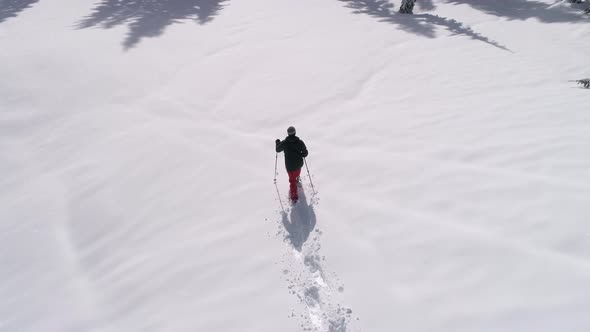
(425, 24)
(300, 222)
(419, 24)
(425, 5)
(12, 8)
(523, 10)
(149, 18)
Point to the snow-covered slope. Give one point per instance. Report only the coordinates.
(449, 151)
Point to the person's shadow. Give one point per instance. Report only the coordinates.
(300, 222)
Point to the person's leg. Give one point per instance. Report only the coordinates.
(293, 175)
(298, 177)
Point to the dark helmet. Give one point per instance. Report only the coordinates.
(291, 131)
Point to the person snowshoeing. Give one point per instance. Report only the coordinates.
(295, 150)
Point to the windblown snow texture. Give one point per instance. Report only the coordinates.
(450, 148)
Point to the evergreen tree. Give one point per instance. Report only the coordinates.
(407, 6)
(586, 2)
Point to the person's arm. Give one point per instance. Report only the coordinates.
(279, 145)
(304, 151)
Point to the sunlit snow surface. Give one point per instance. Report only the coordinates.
(448, 149)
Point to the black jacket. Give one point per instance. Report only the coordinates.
(295, 151)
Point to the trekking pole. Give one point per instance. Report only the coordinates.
(275, 182)
(309, 175)
(279, 196)
(276, 158)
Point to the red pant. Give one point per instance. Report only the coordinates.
(293, 175)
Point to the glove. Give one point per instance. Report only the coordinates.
(277, 141)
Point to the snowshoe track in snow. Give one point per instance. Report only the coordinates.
(315, 288)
